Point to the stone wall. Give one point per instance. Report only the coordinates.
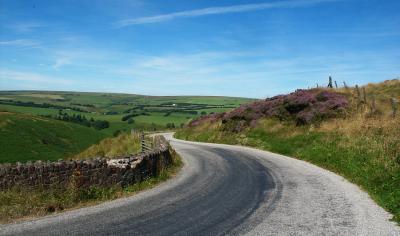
(85, 173)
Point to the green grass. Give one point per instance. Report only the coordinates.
(19, 203)
(357, 162)
(25, 137)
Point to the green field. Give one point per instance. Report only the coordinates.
(26, 134)
(151, 112)
(28, 138)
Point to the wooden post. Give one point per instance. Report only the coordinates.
(373, 104)
(345, 85)
(394, 106)
(358, 94)
(330, 85)
(336, 84)
(142, 142)
(365, 95)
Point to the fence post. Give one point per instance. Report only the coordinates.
(345, 85)
(373, 104)
(358, 95)
(394, 106)
(365, 95)
(336, 84)
(330, 85)
(142, 142)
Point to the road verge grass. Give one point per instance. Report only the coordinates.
(366, 151)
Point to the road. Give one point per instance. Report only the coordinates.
(229, 190)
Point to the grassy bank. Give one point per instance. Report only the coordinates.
(16, 204)
(366, 154)
(123, 145)
(362, 146)
(26, 137)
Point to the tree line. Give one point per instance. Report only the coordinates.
(40, 105)
(81, 120)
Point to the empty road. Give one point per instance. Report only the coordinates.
(228, 190)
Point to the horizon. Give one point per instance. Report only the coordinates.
(230, 48)
(102, 92)
(183, 95)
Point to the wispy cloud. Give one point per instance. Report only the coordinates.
(61, 62)
(20, 43)
(26, 27)
(219, 10)
(30, 77)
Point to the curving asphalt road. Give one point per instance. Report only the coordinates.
(230, 190)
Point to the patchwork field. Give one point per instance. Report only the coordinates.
(140, 112)
(44, 125)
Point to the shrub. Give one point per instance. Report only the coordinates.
(302, 107)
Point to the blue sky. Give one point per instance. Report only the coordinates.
(204, 47)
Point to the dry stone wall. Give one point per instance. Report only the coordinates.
(86, 173)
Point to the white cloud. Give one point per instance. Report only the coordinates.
(20, 43)
(219, 10)
(26, 26)
(61, 62)
(30, 77)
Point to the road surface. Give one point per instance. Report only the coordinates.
(229, 190)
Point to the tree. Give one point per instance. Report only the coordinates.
(170, 125)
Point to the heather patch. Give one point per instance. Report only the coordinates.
(301, 107)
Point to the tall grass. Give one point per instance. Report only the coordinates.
(122, 145)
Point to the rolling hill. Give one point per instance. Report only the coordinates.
(122, 111)
(25, 137)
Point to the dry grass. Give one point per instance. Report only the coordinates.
(43, 95)
(122, 145)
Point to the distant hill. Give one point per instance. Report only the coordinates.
(122, 111)
(26, 137)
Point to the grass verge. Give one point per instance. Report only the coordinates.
(364, 151)
(21, 203)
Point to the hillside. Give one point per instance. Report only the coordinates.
(122, 111)
(25, 137)
(343, 130)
